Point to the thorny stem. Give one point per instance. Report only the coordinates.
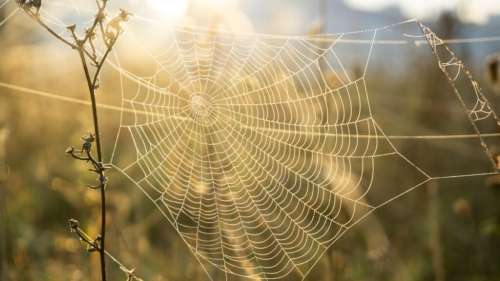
(84, 154)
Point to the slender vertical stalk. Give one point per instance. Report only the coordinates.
(102, 183)
(92, 86)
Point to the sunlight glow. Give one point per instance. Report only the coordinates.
(218, 7)
(169, 10)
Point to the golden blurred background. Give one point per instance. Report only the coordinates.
(447, 230)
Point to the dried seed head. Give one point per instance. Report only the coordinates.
(97, 242)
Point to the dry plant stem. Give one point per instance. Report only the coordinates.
(97, 244)
(92, 86)
(102, 182)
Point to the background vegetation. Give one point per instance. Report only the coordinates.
(446, 231)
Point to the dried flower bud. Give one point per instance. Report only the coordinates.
(87, 146)
(103, 180)
(69, 150)
(71, 28)
(89, 138)
(87, 142)
(130, 273)
(125, 15)
(28, 4)
(36, 3)
(98, 241)
(73, 224)
(91, 248)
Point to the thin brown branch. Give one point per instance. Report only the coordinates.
(99, 17)
(102, 182)
(103, 60)
(37, 18)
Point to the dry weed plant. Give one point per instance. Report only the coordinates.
(104, 32)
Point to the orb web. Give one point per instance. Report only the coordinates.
(238, 142)
(261, 150)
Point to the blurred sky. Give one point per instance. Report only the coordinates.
(290, 16)
(473, 11)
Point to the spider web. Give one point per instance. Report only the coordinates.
(261, 150)
(234, 149)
